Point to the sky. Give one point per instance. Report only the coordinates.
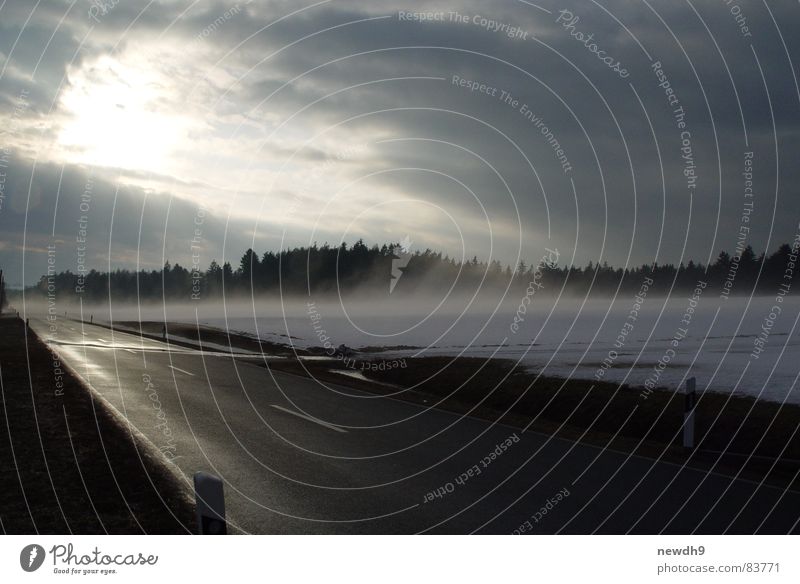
(626, 131)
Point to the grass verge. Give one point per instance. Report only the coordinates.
(67, 465)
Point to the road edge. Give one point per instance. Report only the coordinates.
(142, 443)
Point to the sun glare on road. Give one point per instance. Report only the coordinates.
(117, 117)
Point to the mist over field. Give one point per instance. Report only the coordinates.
(736, 345)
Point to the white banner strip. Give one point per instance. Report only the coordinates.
(398, 559)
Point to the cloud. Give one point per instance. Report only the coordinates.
(72, 209)
(303, 123)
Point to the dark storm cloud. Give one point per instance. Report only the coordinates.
(620, 205)
(73, 209)
(600, 102)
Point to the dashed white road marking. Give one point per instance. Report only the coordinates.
(180, 370)
(310, 419)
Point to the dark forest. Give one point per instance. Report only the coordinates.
(360, 268)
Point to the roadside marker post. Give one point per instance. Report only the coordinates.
(210, 504)
(690, 399)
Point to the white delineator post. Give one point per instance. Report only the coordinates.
(210, 504)
(690, 398)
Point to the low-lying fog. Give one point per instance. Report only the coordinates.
(742, 345)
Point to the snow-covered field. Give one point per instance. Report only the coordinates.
(729, 345)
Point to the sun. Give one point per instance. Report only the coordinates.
(118, 115)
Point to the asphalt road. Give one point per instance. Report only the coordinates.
(299, 457)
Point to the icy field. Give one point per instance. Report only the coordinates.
(731, 345)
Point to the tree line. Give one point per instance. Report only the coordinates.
(347, 268)
(3, 298)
